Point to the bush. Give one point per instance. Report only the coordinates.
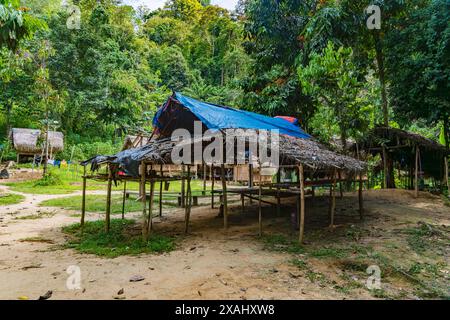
(50, 179)
(86, 150)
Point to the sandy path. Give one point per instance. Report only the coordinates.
(209, 263)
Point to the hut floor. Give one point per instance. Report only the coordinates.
(400, 234)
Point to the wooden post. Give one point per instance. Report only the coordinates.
(360, 197)
(278, 192)
(224, 196)
(150, 209)
(204, 179)
(124, 198)
(385, 168)
(83, 200)
(187, 210)
(144, 200)
(259, 201)
(301, 178)
(108, 200)
(446, 175)
(250, 177)
(243, 202)
(332, 199)
(416, 175)
(183, 187)
(341, 192)
(212, 186)
(161, 173)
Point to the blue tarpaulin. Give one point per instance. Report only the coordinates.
(217, 117)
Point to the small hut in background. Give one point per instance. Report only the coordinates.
(413, 156)
(31, 142)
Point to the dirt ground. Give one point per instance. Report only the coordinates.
(211, 263)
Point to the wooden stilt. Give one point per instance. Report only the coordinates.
(259, 201)
(446, 174)
(150, 208)
(278, 192)
(385, 168)
(83, 199)
(161, 173)
(416, 174)
(341, 191)
(183, 187)
(332, 200)
(212, 186)
(250, 177)
(108, 200)
(204, 179)
(124, 198)
(224, 195)
(360, 197)
(187, 211)
(301, 178)
(144, 201)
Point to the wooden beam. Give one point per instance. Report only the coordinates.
(183, 187)
(224, 196)
(259, 202)
(143, 196)
(301, 178)
(212, 186)
(187, 210)
(446, 174)
(416, 173)
(385, 168)
(360, 197)
(161, 173)
(332, 199)
(124, 196)
(150, 209)
(108, 200)
(83, 199)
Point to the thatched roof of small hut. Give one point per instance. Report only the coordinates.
(31, 141)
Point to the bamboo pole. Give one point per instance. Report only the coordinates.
(259, 202)
(416, 173)
(360, 197)
(124, 198)
(160, 190)
(332, 199)
(187, 210)
(108, 200)
(301, 177)
(224, 197)
(83, 199)
(212, 186)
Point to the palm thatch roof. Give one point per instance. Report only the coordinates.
(31, 141)
(292, 151)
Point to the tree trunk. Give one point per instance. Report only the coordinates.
(446, 132)
(381, 76)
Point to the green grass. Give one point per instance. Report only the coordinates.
(96, 203)
(10, 198)
(278, 242)
(39, 215)
(122, 239)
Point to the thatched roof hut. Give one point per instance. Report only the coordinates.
(31, 141)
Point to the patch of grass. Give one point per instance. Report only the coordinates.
(121, 240)
(40, 215)
(281, 243)
(380, 294)
(425, 236)
(97, 203)
(50, 179)
(300, 264)
(10, 198)
(329, 252)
